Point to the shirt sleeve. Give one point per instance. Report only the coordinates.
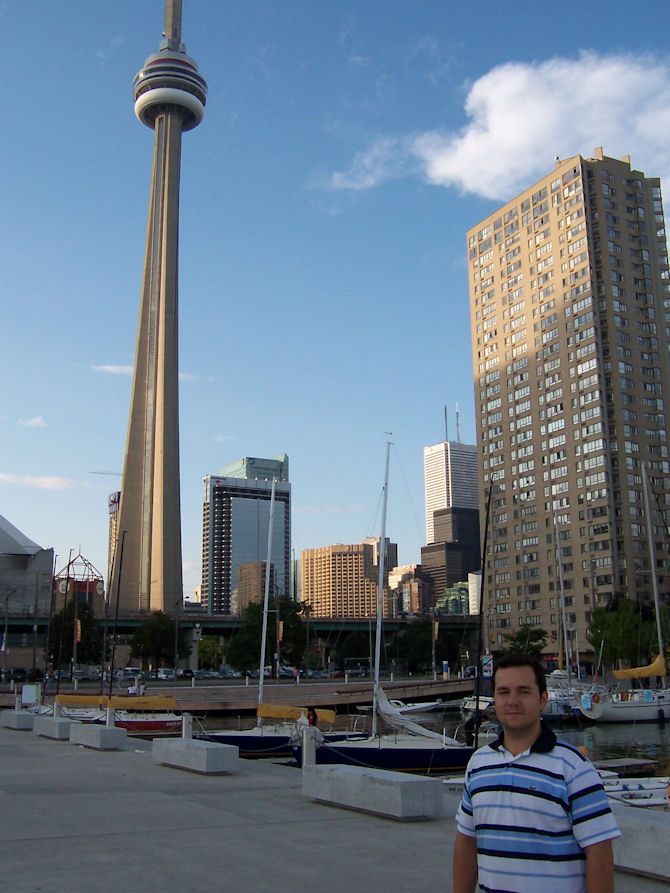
(464, 817)
(592, 819)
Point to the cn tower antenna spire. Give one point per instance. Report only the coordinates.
(172, 32)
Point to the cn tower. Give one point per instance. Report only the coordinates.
(147, 569)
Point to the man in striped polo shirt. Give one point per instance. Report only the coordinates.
(534, 816)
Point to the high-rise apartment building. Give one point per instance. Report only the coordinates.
(236, 520)
(450, 479)
(570, 312)
(341, 581)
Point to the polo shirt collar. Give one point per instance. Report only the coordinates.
(545, 741)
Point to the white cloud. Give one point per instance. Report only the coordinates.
(188, 376)
(114, 370)
(42, 483)
(521, 115)
(386, 159)
(223, 438)
(36, 422)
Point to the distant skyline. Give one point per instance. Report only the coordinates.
(323, 289)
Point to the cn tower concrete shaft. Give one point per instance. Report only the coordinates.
(170, 96)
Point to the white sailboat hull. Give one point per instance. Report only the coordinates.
(638, 706)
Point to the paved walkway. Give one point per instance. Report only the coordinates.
(74, 820)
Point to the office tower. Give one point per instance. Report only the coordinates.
(450, 479)
(147, 572)
(236, 521)
(443, 564)
(570, 311)
(113, 501)
(341, 581)
(408, 589)
(390, 552)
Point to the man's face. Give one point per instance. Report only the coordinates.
(517, 698)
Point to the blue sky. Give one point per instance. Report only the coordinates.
(345, 150)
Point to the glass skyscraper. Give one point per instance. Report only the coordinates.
(236, 520)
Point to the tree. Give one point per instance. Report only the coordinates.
(154, 640)
(527, 640)
(208, 652)
(355, 646)
(243, 651)
(627, 631)
(89, 648)
(415, 645)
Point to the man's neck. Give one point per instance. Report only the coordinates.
(517, 743)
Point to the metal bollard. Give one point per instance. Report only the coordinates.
(186, 725)
(192, 681)
(109, 722)
(17, 702)
(57, 709)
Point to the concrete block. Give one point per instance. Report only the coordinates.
(53, 727)
(643, 845)
(97, 736)
(206, 757)
(393, 794)
(19, 720)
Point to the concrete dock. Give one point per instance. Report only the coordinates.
(74, 820)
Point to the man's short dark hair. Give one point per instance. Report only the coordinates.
(521, 660)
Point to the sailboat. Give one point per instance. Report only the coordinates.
(636, 705)
(274, 739)
(411, 748)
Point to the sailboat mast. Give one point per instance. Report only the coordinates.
(266, 598)
(480, 618)
(380, 593)
(559, 556)
(652, 557)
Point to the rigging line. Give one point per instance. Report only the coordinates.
(372, 523)
(661, 511)
(419, 526)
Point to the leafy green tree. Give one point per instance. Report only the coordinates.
(526, 640)
(354, 646)
(243, 650)
(208, 650)
(627, 631)
(415, 645)
(89, 649)
(154, 640)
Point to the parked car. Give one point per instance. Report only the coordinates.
(129, 672)
(185, 673)
(166, 674)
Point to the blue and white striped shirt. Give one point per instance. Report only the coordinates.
(533, 814)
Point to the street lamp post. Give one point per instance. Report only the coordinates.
(306, 609)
